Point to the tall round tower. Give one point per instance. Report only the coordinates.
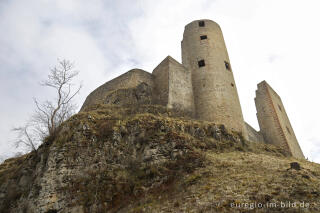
(215, 94)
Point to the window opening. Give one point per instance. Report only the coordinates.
(227, 64)
(203, 37)
(201, 23)
(201, 63)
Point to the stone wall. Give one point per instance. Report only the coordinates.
(174, 85)
(215, 93)
(180, 87)
(130, 79)
(254, 135)
(204, 87)
(273, 120)
(161, 82)
(139, 95)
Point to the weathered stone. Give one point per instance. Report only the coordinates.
(215, 94)
(134, 136)
(202, 87)
(274, 122)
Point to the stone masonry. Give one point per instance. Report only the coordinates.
(215, 94)
(202, 87)
(273, 120)
(130, 79)
(174, 85)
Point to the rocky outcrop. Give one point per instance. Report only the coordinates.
(149, 159)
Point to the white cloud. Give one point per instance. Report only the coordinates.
(268, 40)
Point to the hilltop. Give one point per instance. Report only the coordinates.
(148, 158)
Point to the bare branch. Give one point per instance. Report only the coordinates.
(25, 138)
(49, 115)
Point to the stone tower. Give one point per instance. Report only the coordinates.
(274, 122)
(215, 93)
(202, 87)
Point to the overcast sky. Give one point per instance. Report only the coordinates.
(272, 40)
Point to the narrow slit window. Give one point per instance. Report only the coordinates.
(201, 63)
(201, 23)
(203, 37)
(232, 84)
(279, 107)
(227, 64)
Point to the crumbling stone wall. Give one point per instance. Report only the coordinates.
(202, 87)
(254, 135)
(273, 120)
(130, 79)
(141, 94)
(169, 85)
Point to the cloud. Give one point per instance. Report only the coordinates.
(311, 147)
(266, 40)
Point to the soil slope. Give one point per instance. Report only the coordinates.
(150, 159)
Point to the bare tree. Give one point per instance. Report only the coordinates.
(52, 113)
(25, 137)
(49, 114)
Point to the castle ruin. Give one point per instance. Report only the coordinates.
(204, 88)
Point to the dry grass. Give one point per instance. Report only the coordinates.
(239, 178)
(214, 169)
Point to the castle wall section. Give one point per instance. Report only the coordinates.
(161, 82)
(274, 122)
(254, 135)
(130, 79)
(173, 85)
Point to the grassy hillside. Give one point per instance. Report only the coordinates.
(150, 159)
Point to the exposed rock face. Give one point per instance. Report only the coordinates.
(149, 159)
